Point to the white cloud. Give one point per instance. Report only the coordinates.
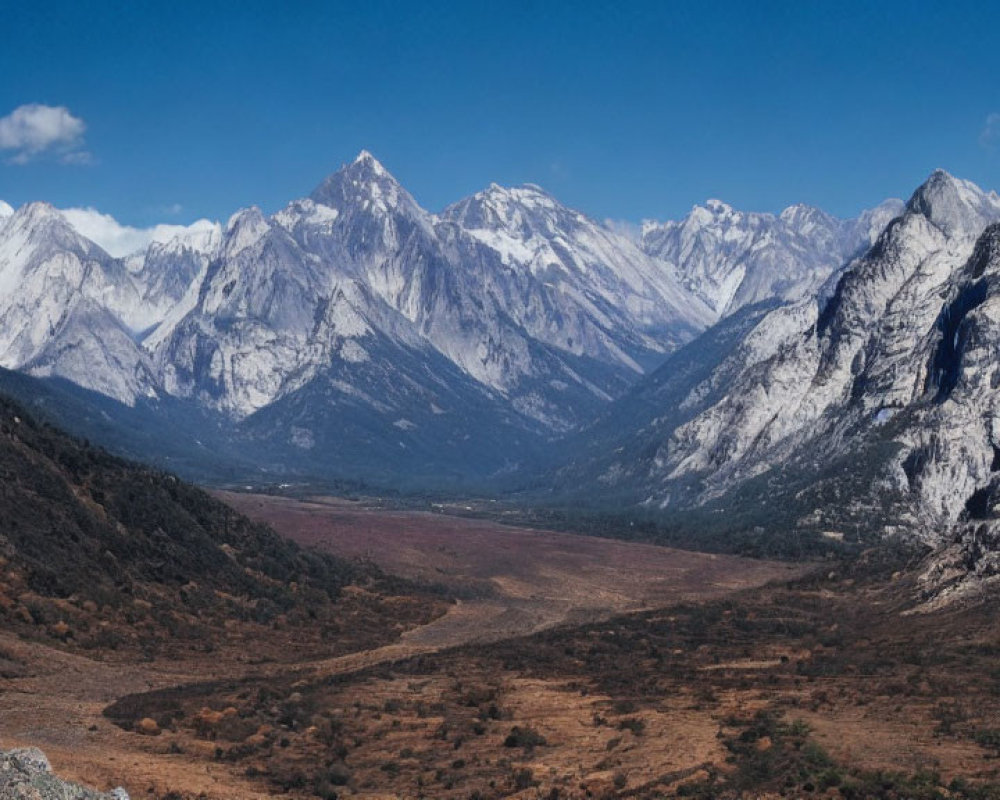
(34, 129)
(121, 240)
(622, 227)
(81, 157)
(989, 138)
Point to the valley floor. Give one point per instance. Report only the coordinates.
(570, 667)
(510, 581)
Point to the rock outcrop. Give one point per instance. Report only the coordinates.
(25, 774)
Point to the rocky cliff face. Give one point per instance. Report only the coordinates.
(891, 383)
(732, 259)
(354, 328)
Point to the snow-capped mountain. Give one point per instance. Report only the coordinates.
(731, 258)
(531, 299)
(536, 303)
(66, 306)
(569, 281)
(355, 321)
(883, 396)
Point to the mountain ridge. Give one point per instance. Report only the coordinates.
(871, 412)
(388, 317)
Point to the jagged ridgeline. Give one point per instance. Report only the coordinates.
(768, 373)
(355, 335)
(89, 540)
(868, 410)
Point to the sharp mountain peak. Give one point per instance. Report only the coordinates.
(956, 206)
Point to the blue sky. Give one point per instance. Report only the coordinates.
(627, 110)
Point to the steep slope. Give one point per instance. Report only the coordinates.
(165, 432)
(954, 449)
(732, 258)
(883, 396)
(320, 372)
(355, 330)
(248, 332)
(397, 415)
(614, 451)
(167, 271)
(530, 299)
(65, 307)
(101, 553)
(568, 281)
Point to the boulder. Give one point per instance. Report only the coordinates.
(25, 774)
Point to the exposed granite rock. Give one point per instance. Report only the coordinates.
(25, 774)
(967, 570)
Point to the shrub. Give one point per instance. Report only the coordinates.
(525, 737)
(524, 779)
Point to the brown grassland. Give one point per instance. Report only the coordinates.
(565, 667)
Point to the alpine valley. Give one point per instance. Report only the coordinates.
(723, 366)
(432, 409)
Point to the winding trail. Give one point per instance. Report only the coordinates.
(513, 582)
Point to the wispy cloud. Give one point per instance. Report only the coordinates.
(33, 130)
(622, 227)
(558, 170)
(121, 240)
(989, 137)
(80, 157)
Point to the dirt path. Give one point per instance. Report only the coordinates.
(513, 582)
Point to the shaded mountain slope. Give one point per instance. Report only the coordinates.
(104, 553)
(616, 448)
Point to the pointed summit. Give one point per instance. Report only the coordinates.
(47, 227)
(364, 183)
(245, 228)
(368, 161)
(365, 168)
(957, 207)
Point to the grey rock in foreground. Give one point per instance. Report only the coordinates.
(25, 774)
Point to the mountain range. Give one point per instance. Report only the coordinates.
(355, 334)
(842, 371)
(867, 410)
